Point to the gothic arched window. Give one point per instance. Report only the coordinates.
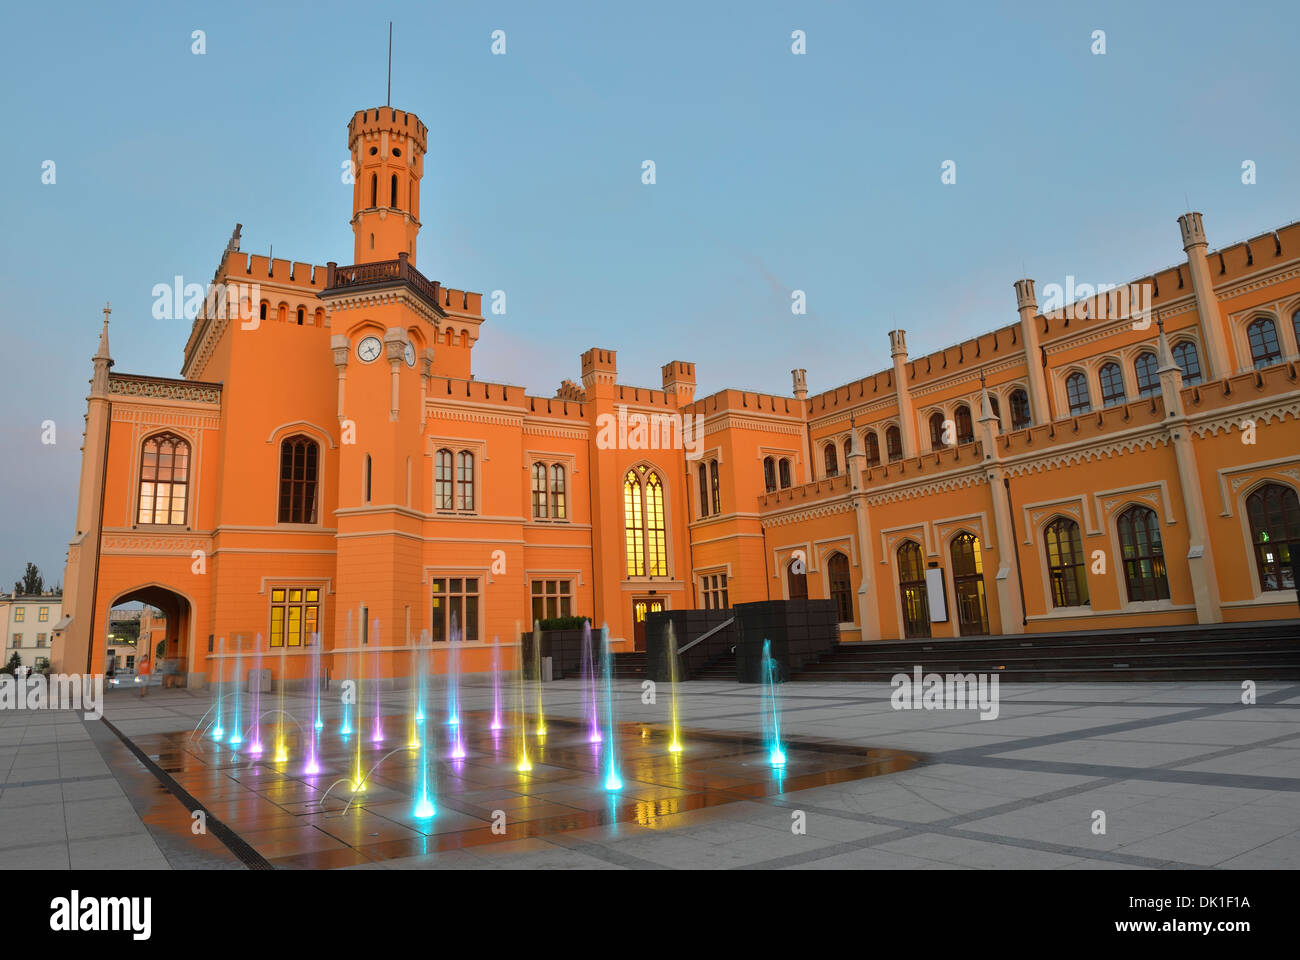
(164, 479)
(299, 465)
(1143, 554)
(1274, 515)
(645, 533)
(1066, 570)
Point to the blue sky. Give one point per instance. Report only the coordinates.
(775, 172)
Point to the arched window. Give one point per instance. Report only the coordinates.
(464, 480)
(1264, 348)
(442, 480)
(912, 591)
(365, 479)
(644, 529)
(1188, 362)
(717, 494)
(968, 583)
(559, 505)
(1295, 325)
(1274, 515)
(965, 429)
(848, 451)
(796, 578)
(1144, 555)
(394, 203)
(263, 309)
(769, 474)
(1065, 567)
(1112, 384)
(936, 430)
(704, 489)
(1148, 380)
(299, 461)
(783, 472)
(871, 444)
(539, 491)
(164, 479)
(894, 443)
(374, 190)
(1076, 392)
(1020, 417)
(302, 313)
(831, 460)
(841, 587)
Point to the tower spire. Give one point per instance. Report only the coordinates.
(388, 99)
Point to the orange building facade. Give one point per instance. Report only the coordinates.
(329, 469)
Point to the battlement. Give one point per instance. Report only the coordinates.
(570, 391)
(254, 268)
(380, 120)
(599, 366)
(975, 352)
(748, 401)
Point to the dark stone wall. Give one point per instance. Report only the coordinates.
(687, 626)
(799, 630)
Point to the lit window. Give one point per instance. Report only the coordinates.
(164, 473)
(1065, 566)
(43, 614)
(717, 495)
(20, 614)
(295, 616)
(968, 583)
(645, 535)
(913, 593)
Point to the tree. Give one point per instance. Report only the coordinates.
(12, 666)
(32, 584)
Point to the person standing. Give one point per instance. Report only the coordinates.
(144, 671)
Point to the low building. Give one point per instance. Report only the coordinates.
(27, 625)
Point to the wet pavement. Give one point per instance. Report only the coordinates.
(1186, 775)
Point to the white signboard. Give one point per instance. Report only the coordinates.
(934, 591)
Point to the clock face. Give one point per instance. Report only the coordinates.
(369, 349)
(409, 354)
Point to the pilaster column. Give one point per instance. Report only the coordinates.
(1027, 306)
(1207, 305)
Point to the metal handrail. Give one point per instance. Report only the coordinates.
(706, 635)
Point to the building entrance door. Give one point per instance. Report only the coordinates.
(640, 607)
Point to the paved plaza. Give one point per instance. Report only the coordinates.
(1184, 775)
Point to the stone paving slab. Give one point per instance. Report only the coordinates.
(1186, 774)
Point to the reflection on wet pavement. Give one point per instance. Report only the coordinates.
(482, 799)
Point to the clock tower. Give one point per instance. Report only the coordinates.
(387, 147)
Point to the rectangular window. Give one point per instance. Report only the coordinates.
(716, 595)
(44, 615)
(295, 615)
(551, 599)
(17, 640)
(130, 662)
(455, 610)
(40, 639)
(20, 614)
